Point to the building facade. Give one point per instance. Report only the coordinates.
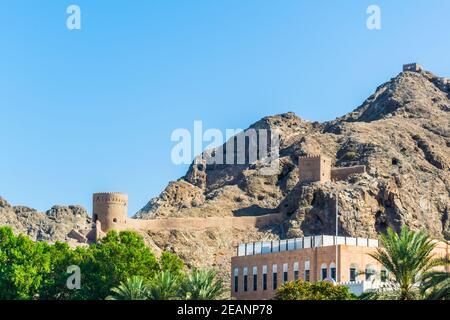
(260, 268)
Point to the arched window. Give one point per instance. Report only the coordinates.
(115, 220)
(333, 271)
(323, 274)
(353, 272)
(370, 272)
(307, 272)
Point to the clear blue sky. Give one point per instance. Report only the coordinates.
(93, 110)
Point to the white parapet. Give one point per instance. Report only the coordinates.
(359, 287)
(274, 246)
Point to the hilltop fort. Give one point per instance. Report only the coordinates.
(389, 158)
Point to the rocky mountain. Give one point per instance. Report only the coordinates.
(401, 133)
(52, 225)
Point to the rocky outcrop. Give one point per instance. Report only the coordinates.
(52, 225)
(401, 134)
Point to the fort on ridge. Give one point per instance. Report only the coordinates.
(317, 168)
(110, 209)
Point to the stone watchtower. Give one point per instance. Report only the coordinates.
(315, 169)
(110, 211)
(413, 67)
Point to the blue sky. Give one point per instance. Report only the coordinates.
(93, 110)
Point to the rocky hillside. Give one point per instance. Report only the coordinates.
(52, 225)
(401, 133)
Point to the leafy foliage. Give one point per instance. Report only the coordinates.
(407, 257)
(133, 289)
(165, 286)
(24, 265)
(202, 285)
(30, 270)
(436, 284)
(301, 290)
(116, 258)
(171, 262)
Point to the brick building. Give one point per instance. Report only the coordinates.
(259, 268)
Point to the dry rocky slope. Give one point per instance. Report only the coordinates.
(52, 225)
(401, 133)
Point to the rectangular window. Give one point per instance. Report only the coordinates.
(295, 271)
(245, 273)
(285, 272)
(264, 278)
(352, 274)
(307, 277)
(245, 283)
(274, 277)
(255, 278)
(275, 280)
(236, 280)
(265, 281)
(333, 273)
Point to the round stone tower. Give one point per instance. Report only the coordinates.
(110, 209)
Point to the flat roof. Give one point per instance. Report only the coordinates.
(266, 247)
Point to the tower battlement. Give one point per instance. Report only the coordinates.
(110, 209)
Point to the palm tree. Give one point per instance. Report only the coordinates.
(436, 284)
(165, 286)
(202, 285)
(133, 289)
(407, 257)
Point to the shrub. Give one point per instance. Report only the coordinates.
(301, 290)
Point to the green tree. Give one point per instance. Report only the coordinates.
(116, 258)
(202, 285)
(436, 284)
(301, 290)
(134, 288)
(165, 286)
(171, 262)
(24, 266)
(407, 257)
(55, 286)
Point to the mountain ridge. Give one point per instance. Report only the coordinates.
(401, 133)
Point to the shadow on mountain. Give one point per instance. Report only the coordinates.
(253, 210)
